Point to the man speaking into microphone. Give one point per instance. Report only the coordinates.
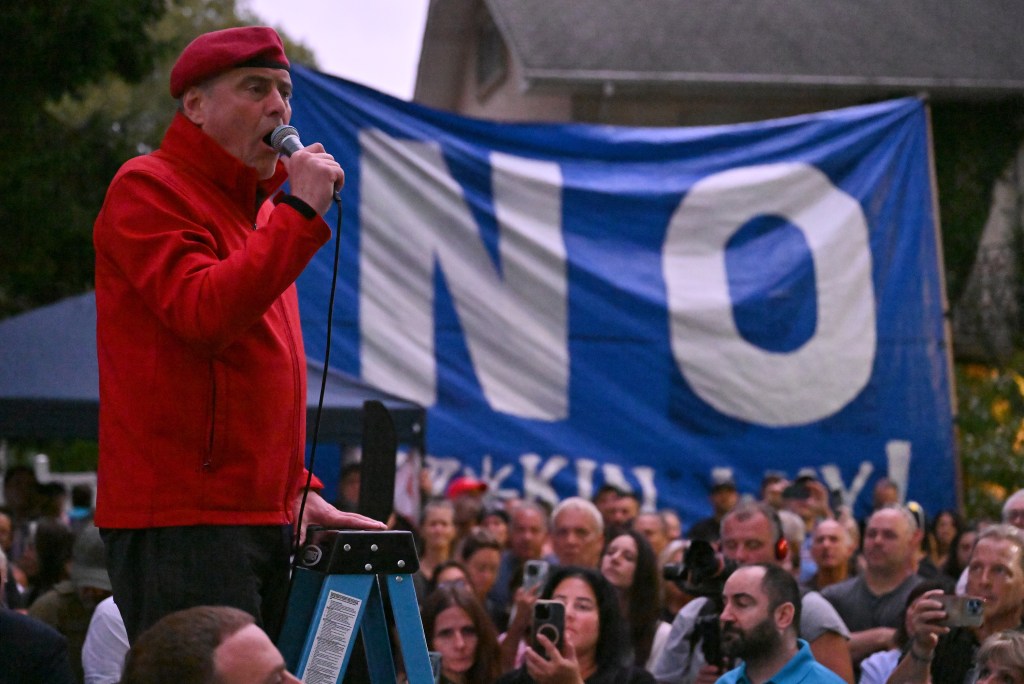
(202, 366)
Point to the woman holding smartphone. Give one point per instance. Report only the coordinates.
(594, 644)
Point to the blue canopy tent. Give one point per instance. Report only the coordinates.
(49, 383)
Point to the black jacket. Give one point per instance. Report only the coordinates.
(31, 651)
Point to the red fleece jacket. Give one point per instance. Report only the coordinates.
(202, 367)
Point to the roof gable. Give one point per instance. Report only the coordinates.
(913, 44)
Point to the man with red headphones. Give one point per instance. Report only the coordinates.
(752, 533)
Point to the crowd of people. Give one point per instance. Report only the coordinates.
(868, 607)
(202, 440)
(868, 604)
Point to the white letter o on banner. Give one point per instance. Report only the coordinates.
(736, 377)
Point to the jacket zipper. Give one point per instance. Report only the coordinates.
(299, 403)
(208, 457)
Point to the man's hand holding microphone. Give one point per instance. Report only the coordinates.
(313, 174)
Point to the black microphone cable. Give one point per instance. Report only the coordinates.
(285, 139)
(316, 427)
(323, 389)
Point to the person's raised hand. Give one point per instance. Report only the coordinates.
(708, 674)
(923, 622)
(559, 667)
(319, 512)
(314, 176)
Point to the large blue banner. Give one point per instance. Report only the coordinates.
(583, 304)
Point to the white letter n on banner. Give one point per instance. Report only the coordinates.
(413, 214)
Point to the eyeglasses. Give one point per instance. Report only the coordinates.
(1015, 514)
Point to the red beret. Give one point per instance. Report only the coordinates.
(218, 51)
(465, 485)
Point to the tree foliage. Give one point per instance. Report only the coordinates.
(90, 93)
(57, 46)
(991, 426)
(51, 176)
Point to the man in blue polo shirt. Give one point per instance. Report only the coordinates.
(759, 625)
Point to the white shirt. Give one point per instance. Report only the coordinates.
(658, 644)
(106, 644)
(876, 668)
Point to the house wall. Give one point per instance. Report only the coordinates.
(695, 108)
(510, 99)
(505, 99)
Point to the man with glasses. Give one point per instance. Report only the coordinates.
(1013, 509)
(1013, 514)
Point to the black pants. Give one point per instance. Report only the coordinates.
(161, 570)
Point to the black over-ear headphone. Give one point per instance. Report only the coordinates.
(781, 546)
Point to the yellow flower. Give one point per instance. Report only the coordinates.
(1000, 409)
(995, 491)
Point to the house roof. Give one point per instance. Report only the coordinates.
(961, 47)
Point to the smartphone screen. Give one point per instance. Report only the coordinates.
(962, 611)
(549, 620)
(535, 574)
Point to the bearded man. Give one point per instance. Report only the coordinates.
(759, 626)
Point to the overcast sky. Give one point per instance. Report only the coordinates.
(373, 42)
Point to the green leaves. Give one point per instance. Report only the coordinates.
(88, 91)
(991, 426)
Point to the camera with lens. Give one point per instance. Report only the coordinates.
(703, 572)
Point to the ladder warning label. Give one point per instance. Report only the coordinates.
(333, 636)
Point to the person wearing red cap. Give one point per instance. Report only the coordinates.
(462, 486)
(201, 360)
(466, 495)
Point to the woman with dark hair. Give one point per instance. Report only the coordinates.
(629, 564)
(457, 627)
(960, 551)
(481, 555)
(594, 645)
(944, 528)
(51, 550)
(448, 572)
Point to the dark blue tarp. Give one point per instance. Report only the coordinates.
(49, 382)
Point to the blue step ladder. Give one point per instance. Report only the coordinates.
(336, 592)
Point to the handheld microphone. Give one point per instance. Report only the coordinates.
(285, 140)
